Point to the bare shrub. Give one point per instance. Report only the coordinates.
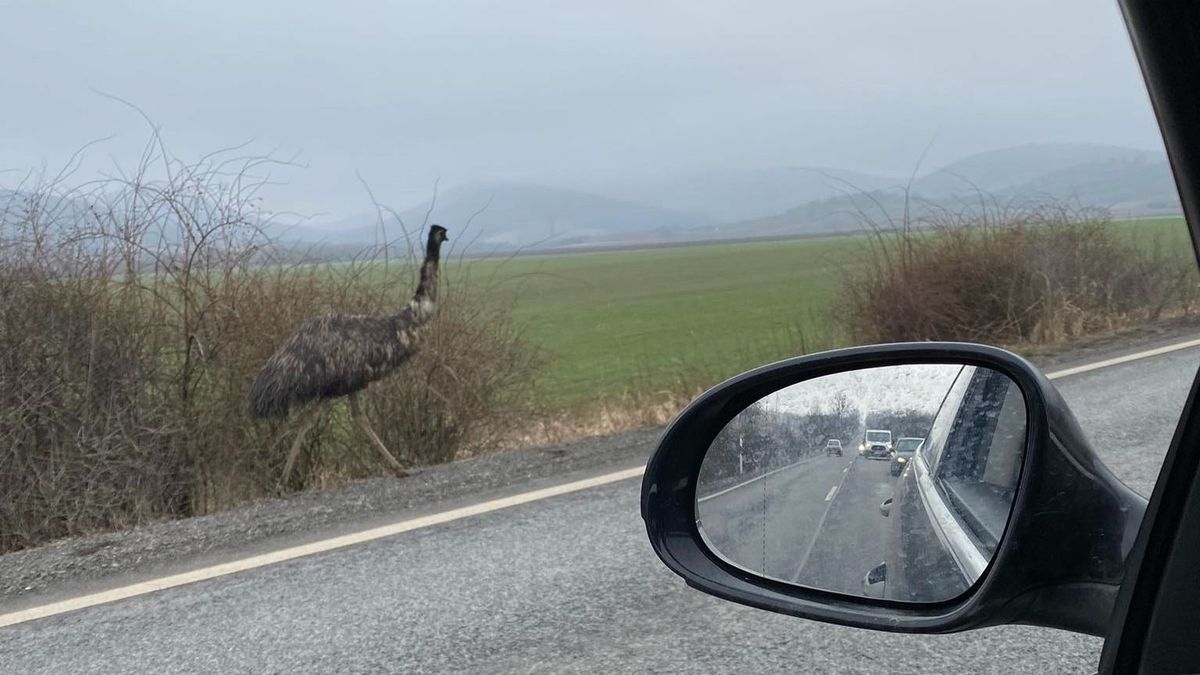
(134, 313)
(82, 444)
(1033, 275)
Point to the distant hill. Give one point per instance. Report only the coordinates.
(501, 217)
(848, 213)
(777, 202)
(1021, 166)
(731, 196)
(1125, 181)
(1125, 186)
(14, 205)
(507, 216)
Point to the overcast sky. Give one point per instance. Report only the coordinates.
(559, 92)
(909, 387)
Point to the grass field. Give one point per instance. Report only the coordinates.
(612, 323)
(616, 323)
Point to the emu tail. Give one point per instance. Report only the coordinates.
(269, 396)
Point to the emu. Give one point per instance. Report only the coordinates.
(341, 354)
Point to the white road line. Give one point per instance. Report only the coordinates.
(747, 482)
(293, 552)
(1088, 367)
(820, 524)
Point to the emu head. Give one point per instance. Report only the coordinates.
(437, 234)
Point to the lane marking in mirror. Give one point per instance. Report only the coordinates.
(821, 523)
(756, 478)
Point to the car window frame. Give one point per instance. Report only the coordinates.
(953, 534)
(947, 525)
(1150, 627)
(986, 539)
(931, 450)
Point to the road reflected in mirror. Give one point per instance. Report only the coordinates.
(892, 482)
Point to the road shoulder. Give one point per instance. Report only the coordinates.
(86, 564)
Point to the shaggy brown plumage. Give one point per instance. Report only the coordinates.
(341, 354)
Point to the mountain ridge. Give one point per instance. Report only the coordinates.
(767, 202)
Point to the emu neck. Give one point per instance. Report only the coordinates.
(427, 288)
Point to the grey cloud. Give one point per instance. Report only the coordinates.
(565, 93)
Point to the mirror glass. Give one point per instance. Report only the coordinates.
(892, 482)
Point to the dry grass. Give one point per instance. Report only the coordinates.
(607, 416)
(1037, 275)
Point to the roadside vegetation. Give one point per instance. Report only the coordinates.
(135, 311)
(626, 327)
(1035, 275)
(762, 439)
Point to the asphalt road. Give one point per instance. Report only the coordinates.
(852, 535)
(568, 584)
(816, 522)
(768, 524)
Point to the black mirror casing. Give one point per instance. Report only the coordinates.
(1060, 562)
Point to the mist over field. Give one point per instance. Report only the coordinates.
(620, 124)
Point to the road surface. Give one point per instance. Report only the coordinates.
(815, 522)
(565, 584)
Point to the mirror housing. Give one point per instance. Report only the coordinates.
(1059, 564)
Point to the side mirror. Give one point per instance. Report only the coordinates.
(1003, 515)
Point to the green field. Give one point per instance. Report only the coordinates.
(614, 323)
(1170, 231)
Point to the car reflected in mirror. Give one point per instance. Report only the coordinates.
(915, 514)
(903, 454)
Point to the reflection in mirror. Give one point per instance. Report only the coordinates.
(893, 482)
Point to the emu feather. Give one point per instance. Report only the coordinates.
(333, 356)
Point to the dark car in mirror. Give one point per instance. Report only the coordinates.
(905, 449)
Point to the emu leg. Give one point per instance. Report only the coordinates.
(361, 420)
(298, 443)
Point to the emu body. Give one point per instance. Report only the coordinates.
(331, 357)
(341, 354)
